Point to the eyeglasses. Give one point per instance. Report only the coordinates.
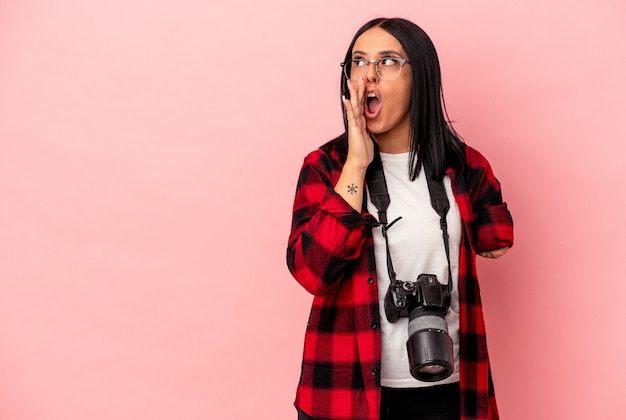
(387, 68)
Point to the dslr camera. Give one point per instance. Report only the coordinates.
(425, 302)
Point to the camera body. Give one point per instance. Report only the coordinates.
(425, 302)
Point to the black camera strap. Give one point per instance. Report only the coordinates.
(379, 195)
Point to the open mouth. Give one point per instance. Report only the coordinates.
(372, 105)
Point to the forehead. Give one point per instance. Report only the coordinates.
(376, 40)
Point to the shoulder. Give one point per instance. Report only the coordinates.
(325, 163)
(331, 154)
(474, 159)
(477, 168)
(476, 177)
(336, 148)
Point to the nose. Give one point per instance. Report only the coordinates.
(372, 74)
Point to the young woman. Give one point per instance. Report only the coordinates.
(356, 363)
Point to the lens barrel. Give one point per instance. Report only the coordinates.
(431, 355)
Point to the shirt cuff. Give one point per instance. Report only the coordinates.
(494, 228)
(335, 205)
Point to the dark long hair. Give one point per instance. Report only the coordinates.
(434, 143)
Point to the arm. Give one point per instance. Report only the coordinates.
(493, 222)
(327, 234)
(328, 230)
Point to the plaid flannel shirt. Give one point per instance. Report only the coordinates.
(331, 254)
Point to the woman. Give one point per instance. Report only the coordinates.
(355, 363)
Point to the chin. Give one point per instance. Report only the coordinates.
(375, 127)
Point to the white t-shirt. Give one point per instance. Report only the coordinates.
(416, 247)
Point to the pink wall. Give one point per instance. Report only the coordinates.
(150, 151)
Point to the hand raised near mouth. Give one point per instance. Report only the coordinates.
(360, 148)
(360, 145)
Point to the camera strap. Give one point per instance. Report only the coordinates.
(379, 195)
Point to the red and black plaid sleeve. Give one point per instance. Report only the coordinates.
(493, 223)
(327, 234)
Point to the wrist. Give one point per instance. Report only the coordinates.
(355, 166)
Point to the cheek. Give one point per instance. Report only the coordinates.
(402, 95)
(407, 99)
(403, 101)
(407, 94)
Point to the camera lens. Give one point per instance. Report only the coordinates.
(431, 355)
(426, 302)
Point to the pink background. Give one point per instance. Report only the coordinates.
(150, 151)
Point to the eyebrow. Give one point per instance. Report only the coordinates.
(382, 53)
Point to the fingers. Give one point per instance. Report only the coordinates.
(357, 91)
(354, 105)
(360, 145)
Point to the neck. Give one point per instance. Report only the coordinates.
(393, 143)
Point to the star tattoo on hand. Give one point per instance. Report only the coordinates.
(352, 189)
